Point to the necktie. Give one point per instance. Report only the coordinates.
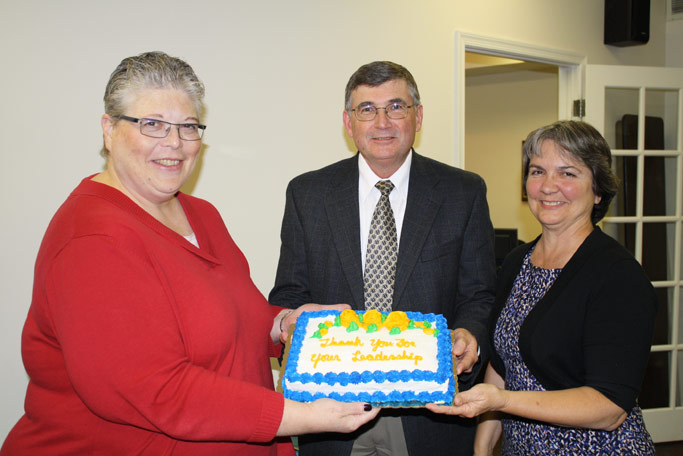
(380, 260)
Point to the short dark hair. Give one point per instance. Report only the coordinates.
(377, 73)
(583, 143)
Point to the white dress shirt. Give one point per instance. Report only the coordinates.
(368, 196)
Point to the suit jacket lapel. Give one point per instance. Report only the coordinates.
(341, 205)
(421, 208)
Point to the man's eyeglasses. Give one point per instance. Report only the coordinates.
(393, 111)
(159, 129)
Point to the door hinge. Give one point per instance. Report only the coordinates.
(579, 108)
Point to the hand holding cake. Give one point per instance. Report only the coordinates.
(324, 415)
(465, 349)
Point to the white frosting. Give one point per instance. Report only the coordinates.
(370, 387)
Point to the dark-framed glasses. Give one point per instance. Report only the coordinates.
(155, 128)
(367, 112)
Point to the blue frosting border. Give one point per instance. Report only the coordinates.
(444, 372)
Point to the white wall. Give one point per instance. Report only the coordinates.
(275, 73)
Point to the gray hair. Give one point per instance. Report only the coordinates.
(585, 144)
(150, 70)
(377, 73)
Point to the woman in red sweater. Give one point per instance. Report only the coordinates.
(146, 334)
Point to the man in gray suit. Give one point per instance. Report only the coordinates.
(445, 259)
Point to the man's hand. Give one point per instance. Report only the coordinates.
(465, 349)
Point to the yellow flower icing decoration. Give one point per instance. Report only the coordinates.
(395, 322)
(397, 319)
(372, 317)
(347, 316)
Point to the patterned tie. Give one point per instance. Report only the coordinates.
(380, 260)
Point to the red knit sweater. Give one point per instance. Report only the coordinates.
(137, 342)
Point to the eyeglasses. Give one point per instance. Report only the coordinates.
(159, 129)
(368, 112)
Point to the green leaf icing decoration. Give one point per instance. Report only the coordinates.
(317, 335)
(337, 320)
(352, 327)
(395, 330)
(372, 328)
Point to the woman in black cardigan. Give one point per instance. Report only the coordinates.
(573, 320)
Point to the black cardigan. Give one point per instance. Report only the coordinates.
(594, 325)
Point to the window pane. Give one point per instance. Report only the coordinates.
(658, 243)
(679, 380)
(624, 203)
(625, 233)
(680, 315)
(655, 390)
(659, 186)
(663, 319)
(661, 121)
(621, 118)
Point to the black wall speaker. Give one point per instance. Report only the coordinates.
(627, 22)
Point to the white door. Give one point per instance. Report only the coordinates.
(639, 110)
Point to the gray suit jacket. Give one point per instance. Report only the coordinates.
(445, 265)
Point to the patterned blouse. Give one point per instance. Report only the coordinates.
(527, 437)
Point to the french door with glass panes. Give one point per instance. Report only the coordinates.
(639, 110)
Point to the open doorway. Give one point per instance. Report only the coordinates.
(505, 99)
(505, 89)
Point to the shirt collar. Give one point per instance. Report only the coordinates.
(367, 178)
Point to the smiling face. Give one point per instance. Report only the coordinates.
(560, 190)
(150, 170)
(383, 142)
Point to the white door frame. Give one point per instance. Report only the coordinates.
(570, 71)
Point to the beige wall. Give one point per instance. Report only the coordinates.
(501, 109)
(274, 72)
(673, 43)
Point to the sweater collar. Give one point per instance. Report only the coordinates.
(123, 202)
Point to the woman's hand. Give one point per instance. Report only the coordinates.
(583, 407)
(324, 415)
(288, 317)
(479, 399)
